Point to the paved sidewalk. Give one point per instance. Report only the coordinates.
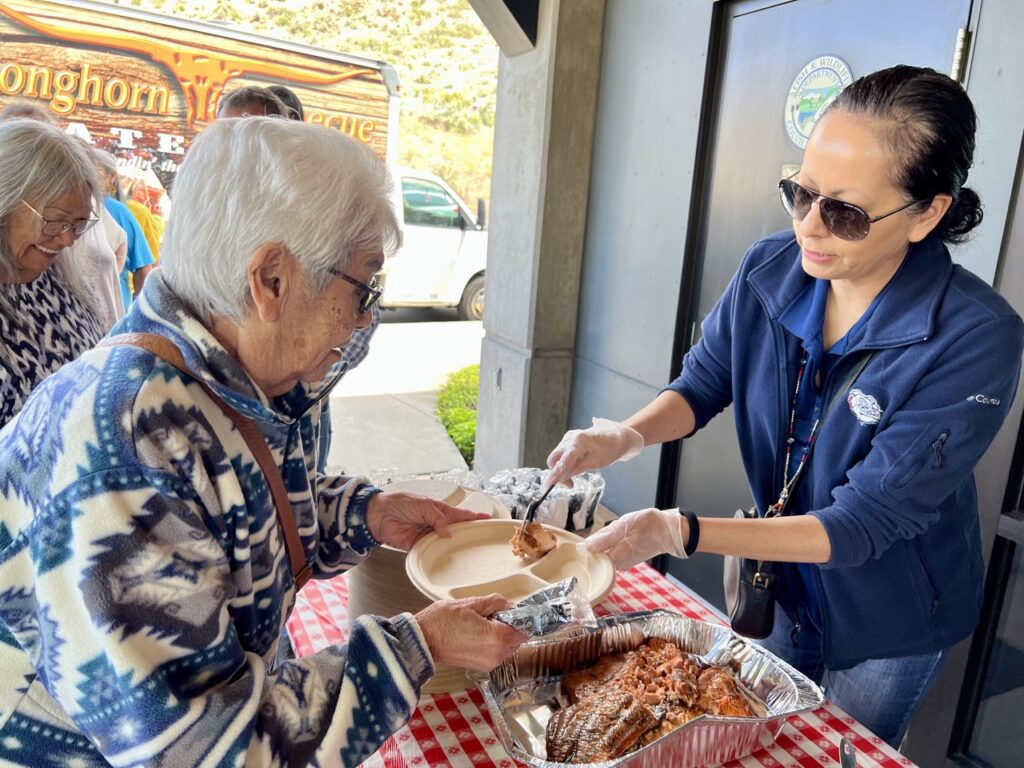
(383, 411)
(413, 357)
(388, 436)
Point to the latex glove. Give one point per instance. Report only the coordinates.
(602, 444)
(459, 633)
(639, 536)
(399, 519)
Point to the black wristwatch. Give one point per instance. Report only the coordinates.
(694, 529)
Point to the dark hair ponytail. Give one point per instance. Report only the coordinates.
(929, 128)
(963, 215)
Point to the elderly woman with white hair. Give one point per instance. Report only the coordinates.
(48, 195)
(159, 500)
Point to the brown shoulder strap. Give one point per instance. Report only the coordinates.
(167, 351)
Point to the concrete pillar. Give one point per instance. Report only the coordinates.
(544, 131)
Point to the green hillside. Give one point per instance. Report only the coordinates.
(446, 60)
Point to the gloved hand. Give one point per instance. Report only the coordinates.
(639, 536)
(459, 633)
(600, 445)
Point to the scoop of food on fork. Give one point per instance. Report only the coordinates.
(532, 540)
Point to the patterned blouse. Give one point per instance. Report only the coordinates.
(53, 327)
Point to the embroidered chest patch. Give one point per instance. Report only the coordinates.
(864, 407)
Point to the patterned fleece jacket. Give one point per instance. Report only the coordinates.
(144, 584)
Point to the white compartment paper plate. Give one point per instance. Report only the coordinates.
(478, 560)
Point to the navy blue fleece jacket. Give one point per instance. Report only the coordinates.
(891, 475)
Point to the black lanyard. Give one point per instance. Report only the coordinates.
(789, 484)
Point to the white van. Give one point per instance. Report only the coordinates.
(444, 248)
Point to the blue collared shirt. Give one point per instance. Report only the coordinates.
(804, 318)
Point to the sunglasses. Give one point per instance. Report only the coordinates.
(369, 294)
(57, 228)
(844, 220)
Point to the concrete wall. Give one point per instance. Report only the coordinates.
(652, 82)
(995, 83)
(547, 99)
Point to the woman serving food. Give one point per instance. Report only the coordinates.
(880, 568)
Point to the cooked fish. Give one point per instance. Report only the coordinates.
(670, 720)
(670, 685)
(599, 728)
(532, 541)
(580, 683)
(720, 695)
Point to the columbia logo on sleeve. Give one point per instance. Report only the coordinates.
(983, 399)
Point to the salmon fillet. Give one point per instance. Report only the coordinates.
(720, 695)
(598, 728)
(582, 682)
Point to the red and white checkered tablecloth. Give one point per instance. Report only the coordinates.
(455, 730)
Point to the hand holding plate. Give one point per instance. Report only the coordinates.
(399, 519)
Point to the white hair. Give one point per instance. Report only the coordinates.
(251, 181)
(40, 163)
(108, 164)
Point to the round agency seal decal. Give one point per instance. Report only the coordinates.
(812, 90)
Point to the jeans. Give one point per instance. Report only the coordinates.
(882, 694)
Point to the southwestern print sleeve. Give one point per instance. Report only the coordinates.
(145, 630)
(345, 540)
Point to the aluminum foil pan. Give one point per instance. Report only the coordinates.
(523, 692)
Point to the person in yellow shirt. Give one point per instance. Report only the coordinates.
(151, 226)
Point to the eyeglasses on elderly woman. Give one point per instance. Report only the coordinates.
(844, 220)
(57, 227)
(369, 294)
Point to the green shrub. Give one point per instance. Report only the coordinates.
(456, 408)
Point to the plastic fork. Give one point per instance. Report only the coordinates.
(531, 510)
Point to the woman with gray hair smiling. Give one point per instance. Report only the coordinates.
(160, 506)
(48, 195)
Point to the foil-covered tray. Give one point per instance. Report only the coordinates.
(525, 690)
